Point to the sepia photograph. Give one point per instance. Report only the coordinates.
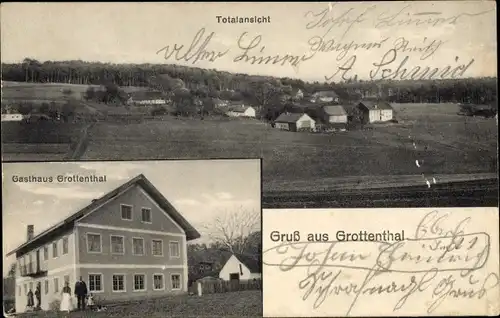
(348, 104)
(176, 238)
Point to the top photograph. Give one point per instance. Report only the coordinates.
(349, 105)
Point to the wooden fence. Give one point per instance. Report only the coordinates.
(221, 286)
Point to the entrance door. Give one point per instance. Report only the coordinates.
(234, 281)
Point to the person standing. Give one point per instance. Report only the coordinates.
(66, 298)
(38, 296)
(31, 302)
(81, 293)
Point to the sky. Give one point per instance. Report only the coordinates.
(135, 32)
(199, 190)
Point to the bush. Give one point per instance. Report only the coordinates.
(55, 305)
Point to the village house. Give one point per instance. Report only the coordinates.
(241, 110)
(294, 121)
(324, 97)
(297, 94)
(12, 117)
(129, 243)
(335, 114)
(218, 103)
(375, 111)
(241, 267)
(147, 98)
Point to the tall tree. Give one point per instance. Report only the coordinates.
(232, 229)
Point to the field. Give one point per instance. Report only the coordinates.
(234, 304)
(448, 146)
(445, 144)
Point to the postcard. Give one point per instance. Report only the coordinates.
(134, 238)
(381, 262)
(349, 104)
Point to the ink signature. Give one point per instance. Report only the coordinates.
(197, 50)
(438, 260)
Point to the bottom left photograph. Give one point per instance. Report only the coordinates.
(132, 238)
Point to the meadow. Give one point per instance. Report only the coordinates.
(48, 92)
(447, 146)
(233, 304)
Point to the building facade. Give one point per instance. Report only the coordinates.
(373, 112)
(241, 267)
(12, 117)
(131, 243)
(335, 114)
(241, 111)
(294, 122)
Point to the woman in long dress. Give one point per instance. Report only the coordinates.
(66, 298)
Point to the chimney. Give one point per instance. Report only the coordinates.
(30, 232)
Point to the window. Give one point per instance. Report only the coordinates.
(158, 282)
(118, 282)
(66, 279)
(65, 245)
(94, 243)
(175, 280)
(25, 289)
(46, 286)
(146, 215)
(174, 249)
(139, 282)
(56, 285)
(126, 212)
(54, 250)
(45, 253)
(31, 286)
(138, 246)
(95, 282)
(30, 263)
(19, 290)
(157, 247)
(117, 244)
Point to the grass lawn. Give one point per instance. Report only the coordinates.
(47, 91)
(445, 144)
(233, 304)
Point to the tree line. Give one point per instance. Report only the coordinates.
(266, 92)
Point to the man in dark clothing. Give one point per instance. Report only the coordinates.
(38, 296)
(81, 293)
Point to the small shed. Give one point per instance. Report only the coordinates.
(294, 121)
(241, 267)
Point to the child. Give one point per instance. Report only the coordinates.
(90, 301)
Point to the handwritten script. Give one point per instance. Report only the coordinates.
(393, 56)
(441, 261)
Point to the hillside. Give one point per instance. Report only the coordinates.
(261, 90)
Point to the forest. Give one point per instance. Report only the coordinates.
(263, 91)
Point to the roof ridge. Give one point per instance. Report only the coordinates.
(108, 196)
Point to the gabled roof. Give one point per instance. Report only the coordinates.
(289, 117)
(238, 108)
(141, 180)
(371, 105)
(334, 110)
(252, 263)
